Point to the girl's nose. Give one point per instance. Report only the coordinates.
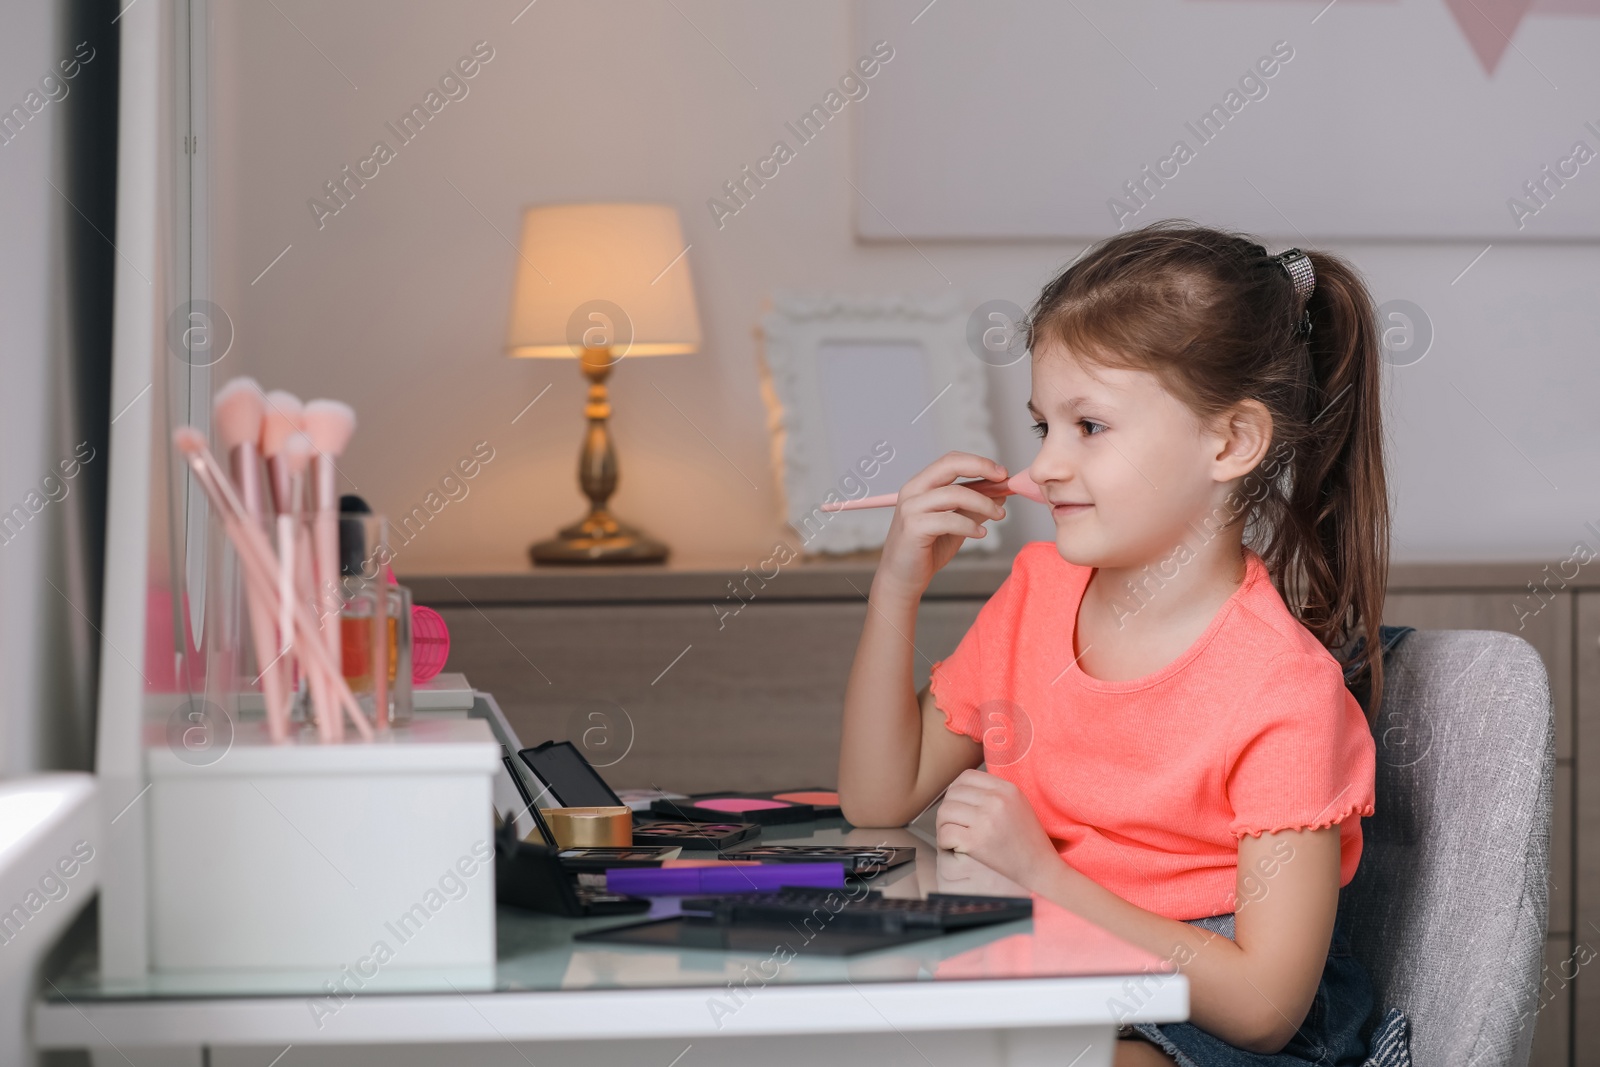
(1048, 467)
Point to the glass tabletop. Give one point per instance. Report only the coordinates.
(536, 952)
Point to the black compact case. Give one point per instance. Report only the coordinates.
(572, 780)
(648, 853)
(533, 877)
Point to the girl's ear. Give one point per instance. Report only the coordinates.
(1242, 435)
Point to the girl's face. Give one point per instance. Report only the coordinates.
(1124, 464)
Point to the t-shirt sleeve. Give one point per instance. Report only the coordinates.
(1303, 755)
(968, 677)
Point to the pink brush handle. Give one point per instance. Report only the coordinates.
(258, 558)
(272, 687)
(1019, 484)
(243, 465)
(305, 580)
(325, 563)
(257, 554)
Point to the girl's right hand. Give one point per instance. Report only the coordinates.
(931, 519)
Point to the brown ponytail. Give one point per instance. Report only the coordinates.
(1216, 319)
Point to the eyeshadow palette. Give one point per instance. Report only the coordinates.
(694, 835)
(726, 807)
(825, 802)
(600, 859)
(857, 859)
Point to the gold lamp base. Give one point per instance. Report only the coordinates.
(599, 538)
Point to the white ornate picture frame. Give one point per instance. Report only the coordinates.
(862, 393)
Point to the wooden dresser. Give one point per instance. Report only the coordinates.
(729, 674)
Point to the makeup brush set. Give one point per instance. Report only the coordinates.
(279, 505)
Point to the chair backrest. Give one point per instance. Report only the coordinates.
(1449, 907)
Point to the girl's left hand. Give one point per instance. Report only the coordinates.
(989, 819)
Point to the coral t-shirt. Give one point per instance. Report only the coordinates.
(1146, 785)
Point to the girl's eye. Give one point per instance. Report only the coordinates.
(1090, 422)
(1039, 429)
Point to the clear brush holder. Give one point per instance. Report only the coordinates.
(374, 622)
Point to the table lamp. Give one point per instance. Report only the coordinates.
(597, 282)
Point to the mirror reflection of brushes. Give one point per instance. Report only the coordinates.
(1018, 484)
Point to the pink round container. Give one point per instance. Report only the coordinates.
(430, 643)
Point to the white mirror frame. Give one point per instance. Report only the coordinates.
(955, 407)
(151, 389)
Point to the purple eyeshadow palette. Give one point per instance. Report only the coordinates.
(726, 807)
(693, 835)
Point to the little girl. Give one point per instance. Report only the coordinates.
(1171, 749)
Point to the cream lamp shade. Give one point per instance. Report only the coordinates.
(598, 282)
(602, 275)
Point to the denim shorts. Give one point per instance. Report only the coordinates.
(1330, 1036)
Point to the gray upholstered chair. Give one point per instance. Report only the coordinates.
(1449, 906)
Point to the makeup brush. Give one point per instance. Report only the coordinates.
(279, 422)
(237, 411)
(1019, 484)
(296, 571)
(329, 425)
(261, 567)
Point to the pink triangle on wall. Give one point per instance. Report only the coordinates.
(1488, 26)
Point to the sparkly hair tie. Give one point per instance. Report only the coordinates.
(1297, 265)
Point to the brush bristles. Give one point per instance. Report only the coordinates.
(1023, 485)
(189, 441)
(237, 411)
(297, 451)
(330, 425)
(280, 422)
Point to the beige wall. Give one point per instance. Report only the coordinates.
(399, 303)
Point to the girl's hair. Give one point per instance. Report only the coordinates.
(1215, 319)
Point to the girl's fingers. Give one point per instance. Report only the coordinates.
(970, 789)
(940, 523)
(960, 812)
(999, 490)
(973, 779)
(965, 801)
(950, 466)
(960, 788)
(979, 519)
(956, 498)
